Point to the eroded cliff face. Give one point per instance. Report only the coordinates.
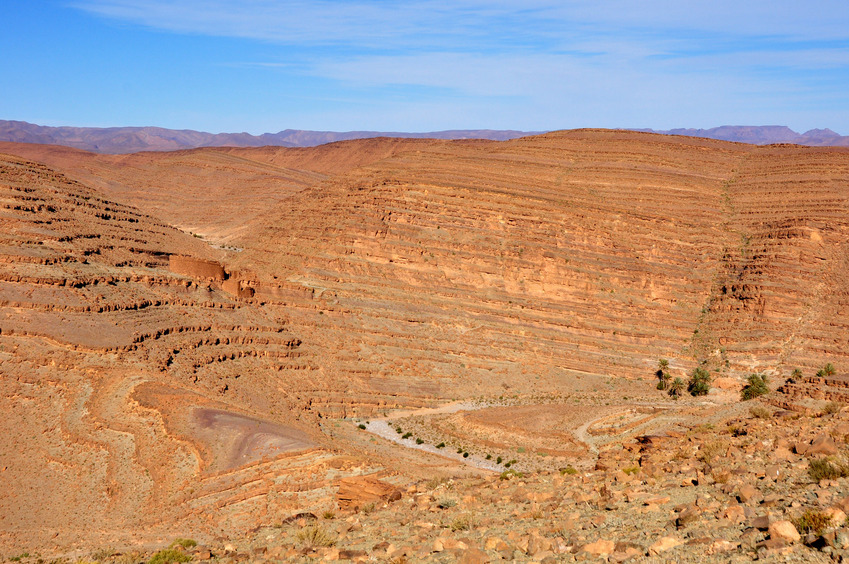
(146, 371)
(587, 251)
(118, 340)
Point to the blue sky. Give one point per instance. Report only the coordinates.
(395, 65)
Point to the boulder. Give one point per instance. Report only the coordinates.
(664, 544)
(357, 492)
(600, 547)
(784, 531)
(822, 445)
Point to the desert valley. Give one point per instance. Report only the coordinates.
(426, 350)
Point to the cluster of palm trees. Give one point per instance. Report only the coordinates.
(698, 385)
(827, 370)
(673, 387)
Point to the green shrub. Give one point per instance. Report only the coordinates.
(169, 556)
(419, 441)
(498, 460)
(510, 474)
(361, 426)
(406, 435)
(568, 470)
(185, 543)
(440, 445)
(399, 430)
(465, 455)
(757, 386)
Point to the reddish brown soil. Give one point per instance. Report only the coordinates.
(145, 394)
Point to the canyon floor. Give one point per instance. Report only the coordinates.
(424, 350)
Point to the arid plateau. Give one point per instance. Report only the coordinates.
(423, 350)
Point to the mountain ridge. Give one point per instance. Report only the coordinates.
(123, 140)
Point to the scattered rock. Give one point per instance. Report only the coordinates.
(663, 544)
(600, 547)
(822, 445)
(355, 493)
(784, 531)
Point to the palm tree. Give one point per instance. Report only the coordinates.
(676, 388)
(662, 374)
(699, 384)
(828, 369)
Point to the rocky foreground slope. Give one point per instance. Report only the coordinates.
(204, 343)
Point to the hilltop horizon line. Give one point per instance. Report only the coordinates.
(132, 139)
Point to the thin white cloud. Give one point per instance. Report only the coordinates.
(539, 63)
(420, 22)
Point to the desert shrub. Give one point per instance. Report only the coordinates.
(498, 460)
(462, 523)
(831, 408)
(710, 452)
(757, 386)
(399, 430)
(459, 451)
(699, 384)
(185, 543)
(315, 536)
(737, 431)
(568, 470)
(168, 556)
(510, 474)
(825, 469)
(440, 445)
(102, 554)
(419, 441)
(796, 374)
(368, 508)
(406, 435)
(329, 514)
(812, 521)
(361, 426)
(760, 412)
(489, 457)
(465, 455)
(445, 502)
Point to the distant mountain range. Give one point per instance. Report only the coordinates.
(119, 140)
(763, 135)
